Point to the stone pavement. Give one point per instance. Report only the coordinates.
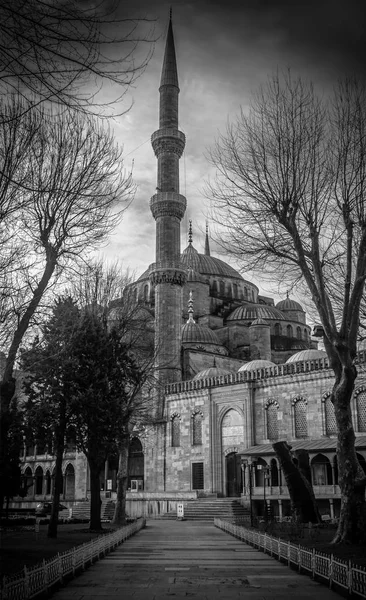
(172, 560)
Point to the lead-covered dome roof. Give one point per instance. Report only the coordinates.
(252, 312)
(289, 304)
(207, 265)
(194, 333)
(311, 354)
(259, 363)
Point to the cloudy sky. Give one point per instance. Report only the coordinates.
(224, 51)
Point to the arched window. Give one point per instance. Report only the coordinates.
(136, 295)
(197, 429)
(146, 293)
(48, 483)
(28, 482)
(245, 292)
(361, 409)
(222, 288)
(305, 334)
(274, 472)
(298, 333)
(329, 415)
(300, 414)
(290, 332)
(69, 490)
(235, 290)
(278, 329)
(272, 421)
(321, 470)
(214, 287)
(39, 481)
(175, 430)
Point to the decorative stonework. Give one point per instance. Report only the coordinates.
(175, 277)
(168, 204)
(271, 401)
(299, 399)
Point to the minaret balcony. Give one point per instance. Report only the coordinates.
(168, 204)
(168, 140)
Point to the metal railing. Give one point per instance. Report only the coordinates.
(32, 581)
(344, 573)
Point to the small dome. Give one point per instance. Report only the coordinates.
(194, 333)
(252, 312)
(211, 372)
(256, 364)
(193, 275)
(260, 322)
(307, 355)
(289, 304)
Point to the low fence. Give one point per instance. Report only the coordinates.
(32, 581)
(348, 576)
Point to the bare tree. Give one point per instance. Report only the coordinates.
(103, 290)
(75, 194)
(63, 52)
(291, 181)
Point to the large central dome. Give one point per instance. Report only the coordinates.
(207, 265)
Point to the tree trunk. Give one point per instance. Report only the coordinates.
(52, 526)
(95, 501)
(122, 481)
(352, 480)
(303, 464)
(7, 391)
(303, 506)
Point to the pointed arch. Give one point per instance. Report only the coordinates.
(175, 430)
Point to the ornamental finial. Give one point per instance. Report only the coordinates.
(190, 235)
(190, 308)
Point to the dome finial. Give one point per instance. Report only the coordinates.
(190, 235)
(207, 243)
(170, 13)
(190, 308)
(287, 295)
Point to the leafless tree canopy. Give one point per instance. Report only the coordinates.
(63, 52)
(67, 192)
(291, 188)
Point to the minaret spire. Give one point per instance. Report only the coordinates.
(207, 242)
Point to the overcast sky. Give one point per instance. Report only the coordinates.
(224, 51)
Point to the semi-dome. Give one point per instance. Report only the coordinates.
(207, 265)
(211, 372)
(311, 354)
(251, 312)
(259, 363)
(289, 304)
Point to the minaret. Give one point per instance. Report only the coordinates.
(168, 207)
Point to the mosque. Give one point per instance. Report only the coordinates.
(235, 373)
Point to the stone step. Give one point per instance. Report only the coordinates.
(207, 510)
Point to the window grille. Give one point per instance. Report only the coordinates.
(272, 422)
(197, 476)
(176, 431)
(361, 411)
(330, 420)
(197, 429)
(289, 331)
(301, 424)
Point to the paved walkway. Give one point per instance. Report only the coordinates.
(172, 560)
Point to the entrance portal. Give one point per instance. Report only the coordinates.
(234, 482)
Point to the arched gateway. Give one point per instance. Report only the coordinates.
(232, 436)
